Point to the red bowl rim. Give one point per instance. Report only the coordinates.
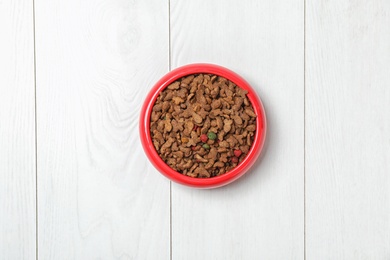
(162, 167)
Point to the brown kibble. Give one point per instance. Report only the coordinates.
(221, 171)
(189, 125)
(237, 103)
(206, 78)
(219, 164)
(232, 141)
(174, 85)
(197, 118)
(226, 112)
(153, 126)
(224, 157)
(213, 129)
(171, 161)
(178, 154)
(195, 165)
(206, 126)
(224, 144)
(165, 106)
(213, 153)
(215, 113)
(202, 172)
(187, 151)
(219, 122)
(221, 149)
(158, 136)
(167, 144)
(200, 159)
(242, 92)
(228, 92)
(200, 97)
(198, 105)
(216, 104)
(227, 125)
(177, 100)
(185, 165)
(250, 112)
(207, 107)
(222, 91)
(215, 92)
(187, 113)
(244, 148)
(174, 147)
(251, 128)
(168, 96)
(193, 88)
(221, 134)
(202, 151)
(237, 119)
(195, 136)
(190, 96)
(239, 139)
(210, 141)
(176, 110)
(198, 79)
(249, 139)
(193, 140)
(203, 113)
(213, 78)
(155, 116)
(182, 93)
(192, 174)
(176, 126)
(209, 164)
(161, 126)
(167, 126)
(245, 116)
(233, 129)
(157, 108)
(187, 80)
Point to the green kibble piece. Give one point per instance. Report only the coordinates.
(212, 136)
(206, 146)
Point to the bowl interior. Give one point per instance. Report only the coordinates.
(212, 182)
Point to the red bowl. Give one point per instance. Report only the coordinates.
(214, 182)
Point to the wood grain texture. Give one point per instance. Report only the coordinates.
(98, 197)
(17, 131)
(348, 129)
(261, 215)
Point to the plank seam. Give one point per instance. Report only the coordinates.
(304, 129)
(36, 135)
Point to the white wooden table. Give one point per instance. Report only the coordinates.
(75, 183)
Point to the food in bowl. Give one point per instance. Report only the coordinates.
(202, 125)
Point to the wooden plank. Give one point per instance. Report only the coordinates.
(348, 129)
(261, 215)
(17, 131)
(98, 196)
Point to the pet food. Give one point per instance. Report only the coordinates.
(202, 125)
